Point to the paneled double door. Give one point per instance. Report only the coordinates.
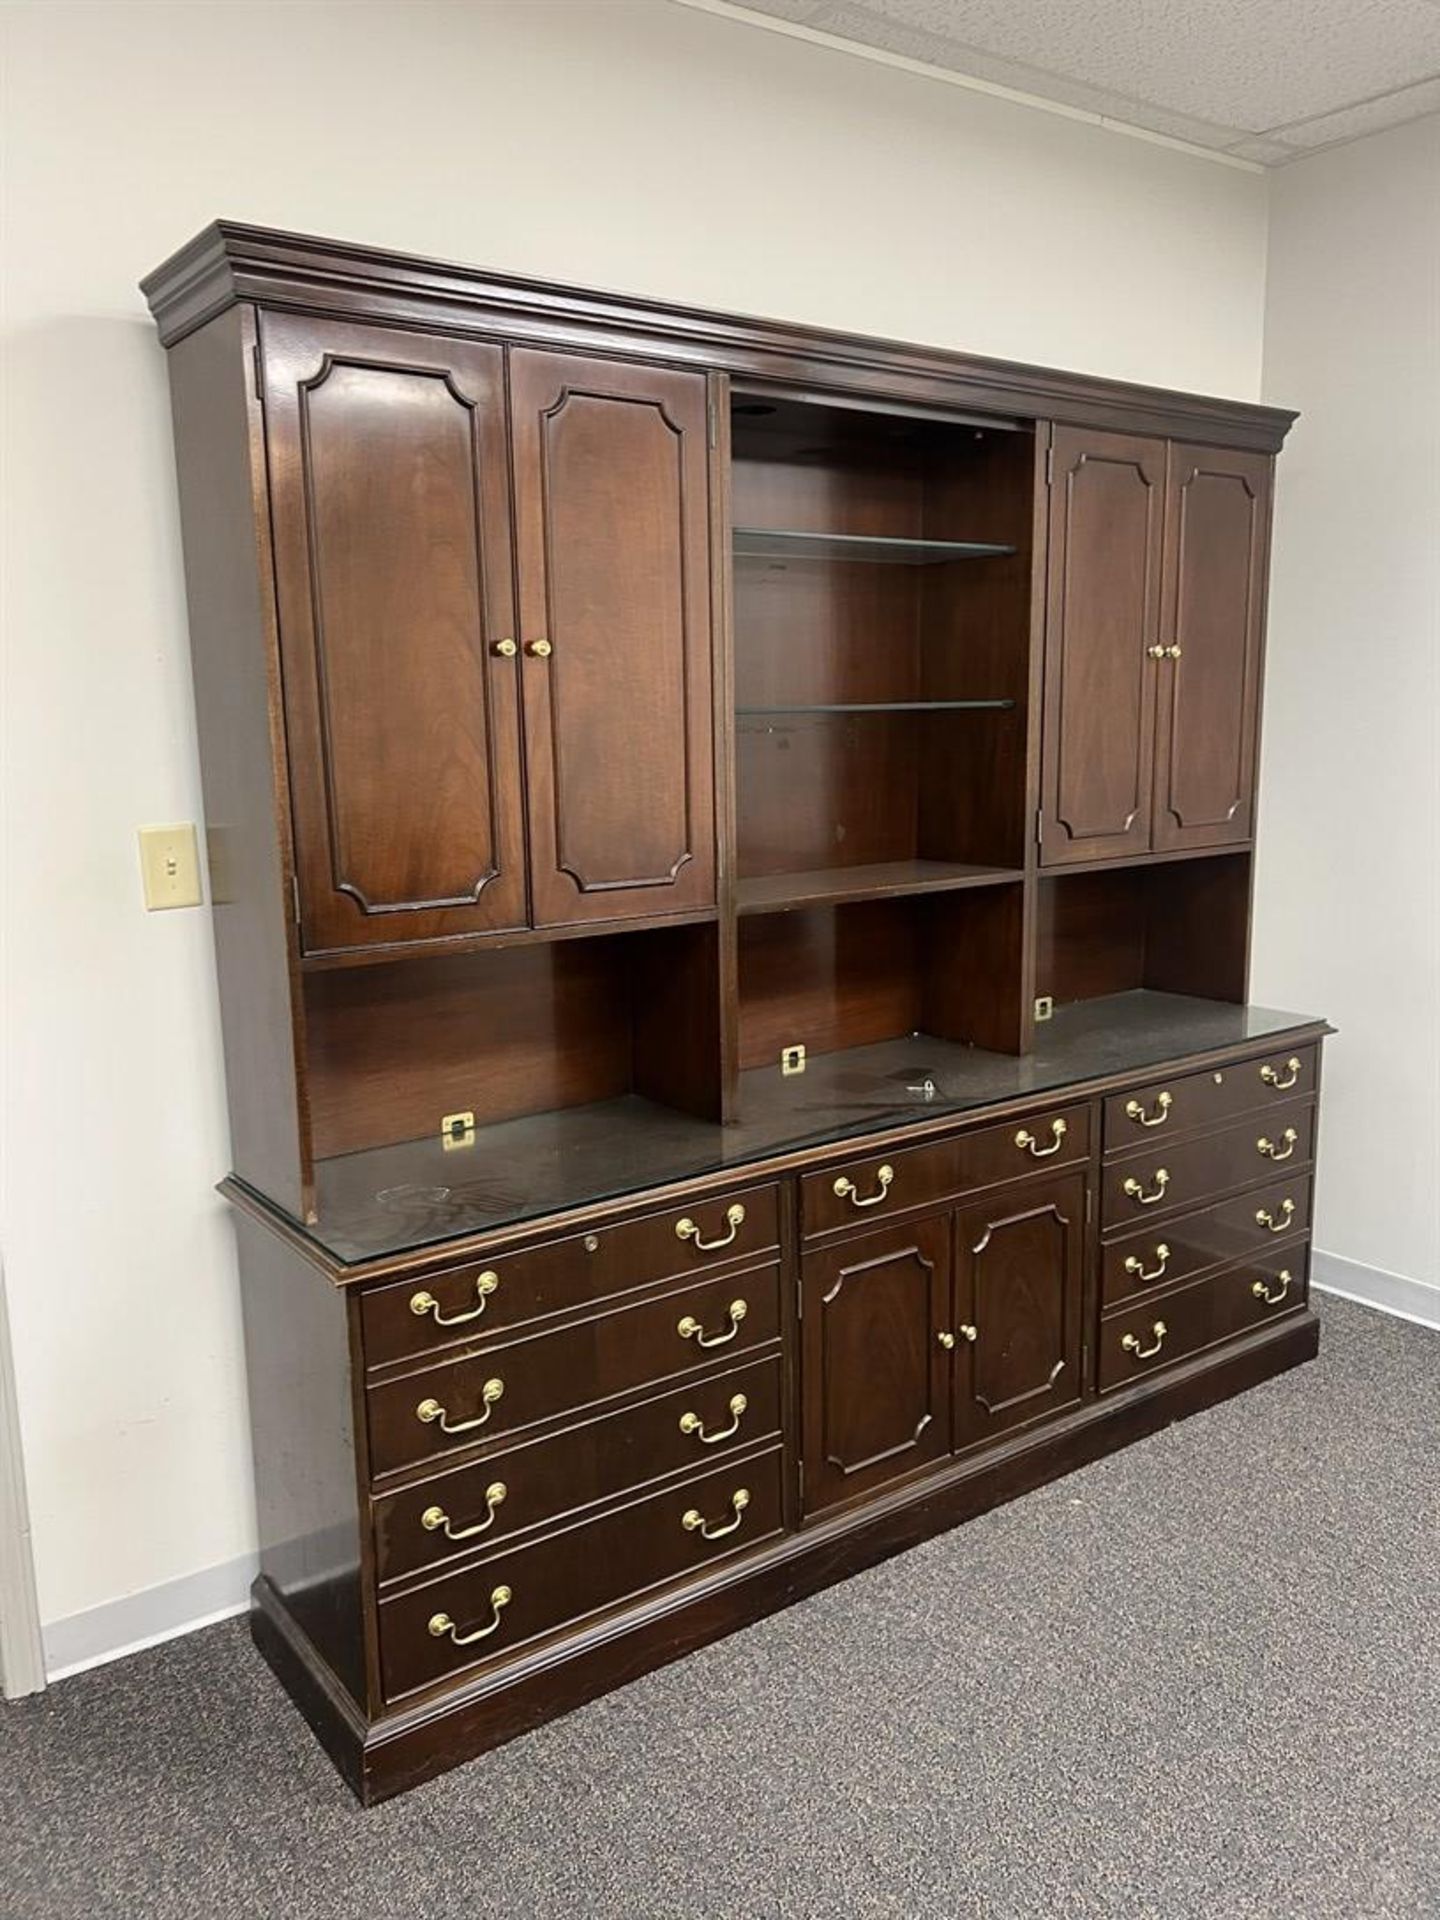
(1153, 631)
(931, 1336)
(492, 585)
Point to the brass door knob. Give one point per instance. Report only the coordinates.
(1156, 652)
(1173, 653)
(539, 649)
(967, 1332)
(947, 1340)
(506, 649)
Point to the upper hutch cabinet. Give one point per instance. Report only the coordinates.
(612, 533)
(1154, 608)
(415, 649)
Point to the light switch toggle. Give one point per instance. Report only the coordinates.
(170, 867)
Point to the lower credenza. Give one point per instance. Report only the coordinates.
(497, 1478)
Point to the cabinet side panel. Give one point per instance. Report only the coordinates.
(297, 1358)
(224, 518)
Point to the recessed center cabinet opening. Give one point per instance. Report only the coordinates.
(1175, 927)
(881, 612)
(508, 1037)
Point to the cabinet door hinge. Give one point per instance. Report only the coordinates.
(1089, 1203)
(712, 423)
(1050, 464)
(1039, 826)
(259, 363)
(295, 898)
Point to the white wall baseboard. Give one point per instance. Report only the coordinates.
(1396, 1293)
(146, 1619)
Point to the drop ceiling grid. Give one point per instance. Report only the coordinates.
(1259, 82)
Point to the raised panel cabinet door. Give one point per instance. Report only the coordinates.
(390, 500)
(1018, 1286)
(876, 1376)
(612, 534)
(1101, 628)
(1217, 528)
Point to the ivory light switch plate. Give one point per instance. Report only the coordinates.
(170, 863)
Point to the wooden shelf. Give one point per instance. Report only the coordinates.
(766, 543)
(881, 706)
(832, 886)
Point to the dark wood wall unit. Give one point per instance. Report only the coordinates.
(658, 764)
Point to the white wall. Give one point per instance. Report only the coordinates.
(1348, 888)
(637, 146)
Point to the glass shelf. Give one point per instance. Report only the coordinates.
(767, 543)
(884, 706)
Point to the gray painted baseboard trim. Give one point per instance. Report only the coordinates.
(1395, 1293)
(22, 1664)
(145, 1619)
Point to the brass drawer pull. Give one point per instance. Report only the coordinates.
(1136, 1188)
(422, 1303)
(694, 1521)
(436, 1520)
(692, 1423)
(1163, 1103)
(1273, 1223)
(1058, 1131)
(1268, 1147)
(431, 1411)
(1131, 1342)
(847, 1189)
(1262, 1292)
(1136, 1266)
(735, 1219)
(444, 1628)
(691, 1329)
(1271, 1075)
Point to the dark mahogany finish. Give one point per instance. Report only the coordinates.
(1019, 1269)
(876, 1376)
(654, 762)
(617, 712)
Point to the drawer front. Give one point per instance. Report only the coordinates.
(1151, 1114)
(473, 1507)
(412, 1318)
(1148, 1339)
(862, 1193)
(540, 1586)
(1238, 1229)
(491, 1395)
(1174, 1178)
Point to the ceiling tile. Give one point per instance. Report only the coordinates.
(1255, 80)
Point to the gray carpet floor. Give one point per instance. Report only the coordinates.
(1201, 1678)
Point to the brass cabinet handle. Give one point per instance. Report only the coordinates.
(539, 649)
(506, 649)
(1262, 1292)
(1157, 652)
(422, 1303)
(847, 1189)
(1271, 1075)
(1272, 1223)
(444, 1628)
(1136, 1266)
(692, 1423)
(691, 1329)
(431, 1411)
(967, 1332)
(694, 1521)
(1163, 1103)
(1058, 1131)
(687, 1230)
(1136, 1188)
(436, 1520)
(1173, 652)
(1131, 1342)
(1268, 1147)
(947, 1340)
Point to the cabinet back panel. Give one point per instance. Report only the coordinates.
(395, 1048)
(1176, 927)
(828, 978)
(825, 790)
